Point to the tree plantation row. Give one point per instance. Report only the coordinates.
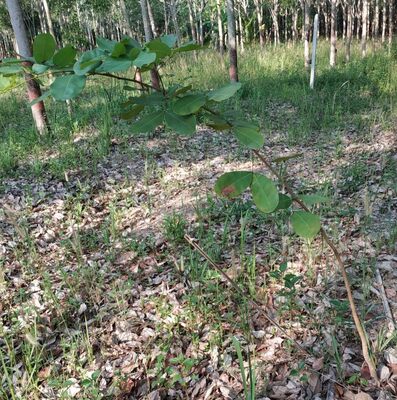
(203, 21)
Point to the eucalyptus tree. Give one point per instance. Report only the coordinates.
(334, 34)
(148, 37)
(364, 29)
(305, 4)
(231, 35)
(25, 51)
(391, 21)
(259, 18)
(349, 28)
(221, 39)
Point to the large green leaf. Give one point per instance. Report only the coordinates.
(134, 53)
(248, 134)
(284, 201)
(169, 40)
(43, 47)
(133, 112)
(184, 125)
(144, 58)
(67, 87)
(39, 68)
(158, 47)
(225, 92)
(155, 98)
(148, 122)
(114, 65)
(105, 44)
(118, 50)
(189, 104)
(4, 82)
(305, 224)
(65, 56)
(311, 199)
(10, 69)
(88, 61)
(264, 193)
(190, 46)
(232, 184)
(218, 123)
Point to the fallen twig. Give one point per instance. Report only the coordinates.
(386, 307)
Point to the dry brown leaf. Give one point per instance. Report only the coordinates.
(362, 396)
(318, 364)
(365, 373)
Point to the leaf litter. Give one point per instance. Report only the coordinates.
(92, 285)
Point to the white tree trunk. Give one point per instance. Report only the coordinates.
(220, 26)
(332, 56)
(151, 19)
(349, 29)
(24, 49)
(306, 32)
(391, 22)
(364, 32)
(384, 20)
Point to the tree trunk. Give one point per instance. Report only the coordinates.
(306, 32)
(24, 49)
(384, 20)
(276, 29)
(359, 19)
(286, 26)
(364, 32)
(126, 18)
(48, 18)
(326, 22)
(332, 56)
(174, 16)
(391, 21)
(220, 27)
(41, 13)
(240, 29)
(259, 17)
(165, 17)
(151, 19)
(295, 25)
(375, 30)
(349, 29)
(191, 21)
(231, 33)
(201, 24)
(148, 37)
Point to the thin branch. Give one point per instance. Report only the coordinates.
(122, 78)
(359, 326)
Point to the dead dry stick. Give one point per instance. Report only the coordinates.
(252, 302)
(357, 322)
(386, 307)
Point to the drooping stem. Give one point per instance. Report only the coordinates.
(357, 322)
(122, 78)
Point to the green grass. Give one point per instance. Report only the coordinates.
(275, 92)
